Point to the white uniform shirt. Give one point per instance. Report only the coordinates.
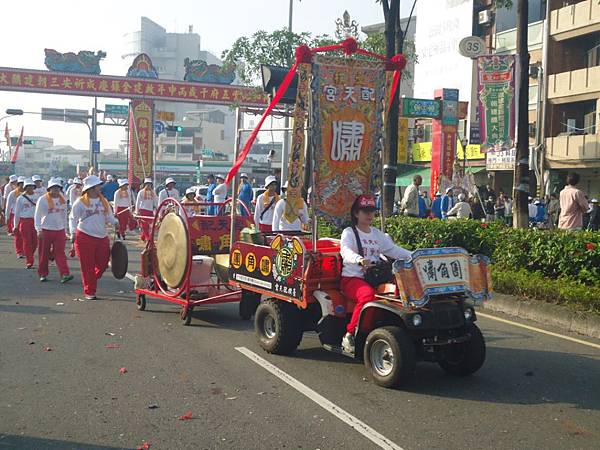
(281, 224)
(168, 193)
(9, 205)
(50, 219)
(39, 192)
(261, 204)
(92, 219)
(462, 210)
(149, 204)
(532, 209)
(74, 193)
(220, 193)
(8, 189)
(24, 208)
(374, 244)
(123, 201)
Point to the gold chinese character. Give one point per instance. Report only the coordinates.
(225, 242)
(204, 244)
(79, 83)
(103, 86)
(15, 79)
(137, 88)
(225, 95)
(91, 84)
(3, 79)
(28, 80)
(42, 81)
(161, 89)
(193, 92)
(115, 86)
(214, 94)
(126, 87)
(172, 89)
(67, 84)
(149, 89)
(182, 91)
(203, 92)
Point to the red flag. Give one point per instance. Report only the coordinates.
(17, 147)
(7, 136)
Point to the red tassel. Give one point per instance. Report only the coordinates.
(397, 63)
(350, 46)
(303, 54)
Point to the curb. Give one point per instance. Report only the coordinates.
(587, 324)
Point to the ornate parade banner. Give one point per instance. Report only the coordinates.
(496, 90)
(347, 107)
(42, 81)
(140, 141)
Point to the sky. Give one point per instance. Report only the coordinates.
(70, 26)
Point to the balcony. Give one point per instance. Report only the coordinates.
(574, 86)
(575, 20)
(574, 151)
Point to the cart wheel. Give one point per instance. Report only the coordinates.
(140, 301)
(277, 326)
(186, 315)
(390, 356)
(465, 358)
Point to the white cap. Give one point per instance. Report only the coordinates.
(220, 176)
(90, 182)
(537, 202)
(21, 180)
(77, 180)
(13, 178)
(28, 182)
(70, 181)
(244, 175)
(438, 193)
(190, 190)
(285, 185)
(594, 200)
(148, 180)
(270, 179)
(36, 178)
(461, 197)
(109, 177)
(123, 182)
(53, 182)
(170, 180)
(530, 198)
(448, 189)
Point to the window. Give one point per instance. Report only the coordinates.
(593, 56)
(222, 135)
(506, 19)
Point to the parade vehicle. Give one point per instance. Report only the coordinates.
(185, 260)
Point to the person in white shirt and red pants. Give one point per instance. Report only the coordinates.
(123, 205)
(374, 243)
(89, 216)
(51, 225)
(24, 214)
(145, 205)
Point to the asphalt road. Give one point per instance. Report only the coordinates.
(535, 391)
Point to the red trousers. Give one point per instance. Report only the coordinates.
(52, 244)
(146, 224)
(29, 239)
(94, 254)
(124, 219)
(10, 223)
(265, 228)
(17, 238)
(361, 292)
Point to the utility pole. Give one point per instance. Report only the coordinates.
(521, 175)
(286, 123)
(394, 40)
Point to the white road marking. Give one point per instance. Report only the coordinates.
(539, 330)
(344, 416)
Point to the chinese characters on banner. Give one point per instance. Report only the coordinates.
(126, 87)
(210, 235)
(496, 90)
(141, 145)
(347, 107)
(402, 141)
(444, 135)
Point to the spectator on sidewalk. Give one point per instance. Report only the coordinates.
(490, 212)
(462, 209)
(410, 201)
(448, 201)
(553, 210)
(573, 205)
(436, 206)
(594, 224)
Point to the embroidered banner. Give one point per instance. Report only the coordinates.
(347, 106)
(141, 145)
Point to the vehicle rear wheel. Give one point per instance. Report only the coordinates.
(248, 304)
(389, 355)
(140, 301)
(277, 327)
(465, 358)
(186, 315)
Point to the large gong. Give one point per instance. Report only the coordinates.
(172, 250)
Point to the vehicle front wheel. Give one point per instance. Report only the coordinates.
(389, 355)
(277, 327)
(248, 304)
(465, 358)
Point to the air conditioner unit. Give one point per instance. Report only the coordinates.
(485, 17)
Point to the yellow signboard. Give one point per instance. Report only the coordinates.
(166, 116)
(421, 152)
(403, 141)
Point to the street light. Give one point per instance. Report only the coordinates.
(14, 112)
(464, 142)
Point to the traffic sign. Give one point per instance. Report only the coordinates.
(95, 146)
(420, 108)
(159, 127)
(116, 111)
(471, 47)
(474, 135)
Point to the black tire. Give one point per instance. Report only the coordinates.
(277, 326)
(397, 365)
(465, 358)
(140, 302)
(186, 315)
(248, 304)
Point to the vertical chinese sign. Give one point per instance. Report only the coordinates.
(402, 141)
(496, 92)
(444, 131)
(141, 145)
(347, 108)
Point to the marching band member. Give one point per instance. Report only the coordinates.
(265, 205)
(89, 216)
(11, 200)
(190, 197)
(24, 212)
(123, 204)
(169, 191)
(39, 188)
(51, 225)
(10, 186)
(145, 205)
(74, 191)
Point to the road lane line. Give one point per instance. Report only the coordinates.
(539, 330)
(344, 416)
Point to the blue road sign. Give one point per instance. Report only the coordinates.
(159, 127)
(95, 146)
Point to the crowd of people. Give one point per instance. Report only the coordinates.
(569, 210)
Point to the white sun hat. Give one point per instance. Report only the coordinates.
(270, 179)
(90, 182)
(53, 182)
(28, 182)
(170, 180)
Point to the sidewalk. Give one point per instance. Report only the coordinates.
(561, 317)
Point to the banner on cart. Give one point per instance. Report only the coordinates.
(347, 106)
